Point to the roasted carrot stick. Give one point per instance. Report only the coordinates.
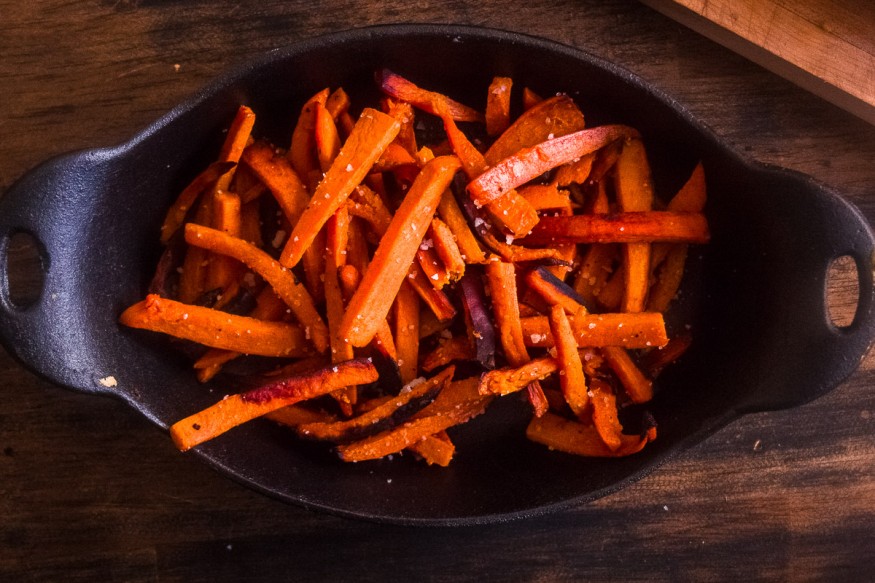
(457, 403)
(176, 215)
(372, 421)
(282, 280)
(637, 227)
(396, 250)
(215, 328)
(551, 118)
(302, 152)
(604, 414)
(236, 409)
(453, 349)
(503, 381)
(633, 185)
(277, 173)
(576, 438)
(529, 163)
(400, 88)
(326, 137)
(690, 198)
(437, 301)
(510, 210)
(236, 139)
(268, 307)
(641, 330)
(498, 105)
(435, 449)
(638, 387)
(372, 133)
(446, 248)
(452, 215)
(407, 331)
(505, 308)
(530, 98)
(383, 339)
(571, 377)
(223, 271)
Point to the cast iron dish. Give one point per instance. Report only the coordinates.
(755, 295)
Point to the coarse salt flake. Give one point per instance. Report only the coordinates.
(108, 382)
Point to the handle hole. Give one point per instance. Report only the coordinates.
(842, 291)
(24, 270)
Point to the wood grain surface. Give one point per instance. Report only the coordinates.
(826, 46)
(90, 491)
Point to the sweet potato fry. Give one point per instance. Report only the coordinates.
(551, 118)
(235, 141)
(393, 411)
(575, 172)
(604, 414)
(188, 197)
(325, 137)
(407, 331)
(571, 378)
(222, 272)
(544, 197)
(576, 438)
(505, 308)
(435, 449)
(638, 387)
(498, 105)
(635, 227)
(511, 211)
(448, 351)
(670, 259)
(282, 280)
(633, 185)
(444, 244)
(234, 410)
(503, 381)
(501, 277)
(400, 88)
(302, 152)
(453, 406)
(396, 250)
(372, 133)
(528, 163)
(367, 204)
(437, 301)
(280, 177)
(215, 328)
(555, 291)
(641, 330)
(656, 360)
(452, 215)
(383, 340)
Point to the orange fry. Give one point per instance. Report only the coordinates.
(576, 438)
(396, 251)
(215, 328)
(281, 279)
(370, 136)
(234, 410)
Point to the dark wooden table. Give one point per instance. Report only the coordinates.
(90, 491)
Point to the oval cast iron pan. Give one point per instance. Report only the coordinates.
(755, 296)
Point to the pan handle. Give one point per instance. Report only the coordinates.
(831, 352)
(44, 204)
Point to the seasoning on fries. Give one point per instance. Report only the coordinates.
(392, 289)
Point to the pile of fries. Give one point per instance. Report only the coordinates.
(401, 288)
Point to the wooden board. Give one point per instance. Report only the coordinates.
(825, 46)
